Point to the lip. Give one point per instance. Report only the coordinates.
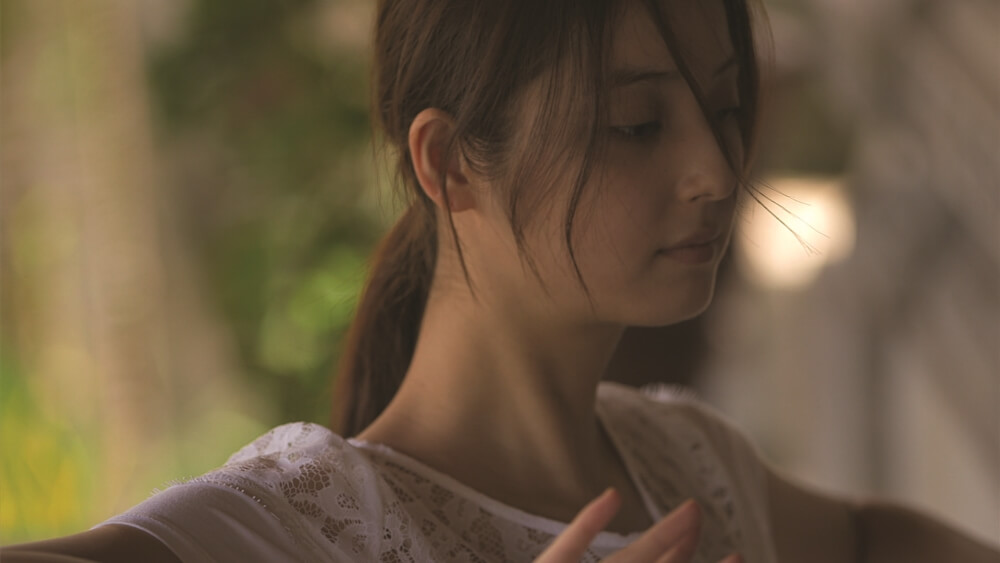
(700, 248)
(698, 239)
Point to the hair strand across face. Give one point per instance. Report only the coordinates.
(476, 61)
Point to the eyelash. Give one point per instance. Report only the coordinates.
(734, 111)
(649, 129)
(640, 131)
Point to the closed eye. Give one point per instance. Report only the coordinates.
(734, 111)
(639, 131)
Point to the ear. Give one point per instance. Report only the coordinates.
(429, 134)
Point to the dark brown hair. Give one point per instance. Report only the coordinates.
(473, 59)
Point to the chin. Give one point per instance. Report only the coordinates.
(664, 309)
(665, 314)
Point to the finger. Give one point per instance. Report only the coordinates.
(734, 558)
(683, 550)
(672, 539)
(571, 544)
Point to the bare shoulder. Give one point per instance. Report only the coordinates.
(108, 544)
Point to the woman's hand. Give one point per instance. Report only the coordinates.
(671, 540)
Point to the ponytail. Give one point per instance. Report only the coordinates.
(383, 335)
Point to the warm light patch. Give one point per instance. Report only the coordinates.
(818, 230)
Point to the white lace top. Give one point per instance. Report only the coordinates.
(302, 493)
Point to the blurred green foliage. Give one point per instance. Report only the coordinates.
(275, 197)
(48, 467)
(50, 470)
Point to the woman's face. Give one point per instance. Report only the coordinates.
(657, 214)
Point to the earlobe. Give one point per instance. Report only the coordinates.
(428, 139)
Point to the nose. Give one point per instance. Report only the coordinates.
(709, 175)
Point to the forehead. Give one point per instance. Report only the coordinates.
(699, 27)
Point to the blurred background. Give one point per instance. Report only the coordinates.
(188, 199)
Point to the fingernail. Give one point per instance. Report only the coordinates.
(734, 558)
(686, 515)
(610, 497)
(687, 508)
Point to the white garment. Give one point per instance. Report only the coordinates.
(302, 493)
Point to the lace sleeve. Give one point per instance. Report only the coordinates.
(294, 494)
(201, 522)
(744, 463)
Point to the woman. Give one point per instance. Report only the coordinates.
(573, 168)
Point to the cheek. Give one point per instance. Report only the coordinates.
(620, 229)
(637, 197)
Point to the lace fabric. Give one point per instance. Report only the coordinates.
(678, 448)
(347, 500)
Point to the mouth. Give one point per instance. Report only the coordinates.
(701, 248)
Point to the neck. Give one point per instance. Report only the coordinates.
(512, 392)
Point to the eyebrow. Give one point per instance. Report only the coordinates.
(628, 76)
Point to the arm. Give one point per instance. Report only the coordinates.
(810, 526)
(892, 533)
(107, 544)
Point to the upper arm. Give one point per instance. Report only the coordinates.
(107, 544)
(810, 526)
